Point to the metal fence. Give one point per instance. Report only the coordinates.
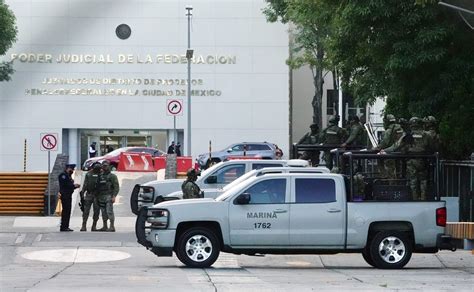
(457, 180)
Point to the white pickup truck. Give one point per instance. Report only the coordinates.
(293, 213)
(215, 177)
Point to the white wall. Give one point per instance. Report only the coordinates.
(254, 101)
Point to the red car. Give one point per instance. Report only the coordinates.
(114, 156)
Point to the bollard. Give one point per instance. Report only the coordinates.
(210, 149)
(24, 157)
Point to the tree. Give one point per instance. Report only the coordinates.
(309, 21)
(8, 33)
(420, 56)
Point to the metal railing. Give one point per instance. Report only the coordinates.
(457, 180)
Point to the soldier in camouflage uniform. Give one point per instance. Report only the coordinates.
(430, 124)
(108, 188)
(333, 135)
(392, 134)
(190, 189)
(417, 142)
(89, 197)
(357, 134)
(311, 138)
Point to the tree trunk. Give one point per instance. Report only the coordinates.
(318, 80)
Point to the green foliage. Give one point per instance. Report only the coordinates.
(418, 54)
(8, 33)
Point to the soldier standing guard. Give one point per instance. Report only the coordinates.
(311, 138)
(333, 135)
(190, 189)
(66, 189)
(89, 197)
(107, 188)
(392, 134)
(357, 135)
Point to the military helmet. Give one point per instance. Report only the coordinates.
(390, 118)
(431, 120)
(415, 122)
(332, 120)
(105, 163)
(191, 172)
(96, 166)
(314, 125)
(402, 121)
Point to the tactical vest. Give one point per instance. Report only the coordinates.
(92, 179)
(104, 184)
(417, 145)
(332, 135)
(313, 139)
(397, 133)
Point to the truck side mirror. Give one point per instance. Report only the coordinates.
(242, 199)
(212, 179)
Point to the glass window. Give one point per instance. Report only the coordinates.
(258, 147)
(239, 147)
(229, 173)
(271, 191)
(311, 190)
(263, 165)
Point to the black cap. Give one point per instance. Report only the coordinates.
(70, 166)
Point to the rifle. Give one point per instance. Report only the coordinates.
(81, 203)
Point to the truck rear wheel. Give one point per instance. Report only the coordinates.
(198, 247)
(390, 250)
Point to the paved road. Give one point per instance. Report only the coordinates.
(36, 257)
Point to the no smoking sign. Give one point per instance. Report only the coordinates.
(174, 107)
(49, 142)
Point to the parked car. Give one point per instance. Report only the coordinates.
(263, 150)
(114, 156)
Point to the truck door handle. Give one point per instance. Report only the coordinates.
(332, 210)
(280, 211)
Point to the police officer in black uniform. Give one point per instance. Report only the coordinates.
(66, 189)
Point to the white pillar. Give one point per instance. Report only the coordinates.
(73, 147)
(340, 103)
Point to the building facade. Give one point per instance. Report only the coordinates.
(115, 72)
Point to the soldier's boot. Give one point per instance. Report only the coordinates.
(104, 228)
(112, 227)
(94, 225)
(84, 227)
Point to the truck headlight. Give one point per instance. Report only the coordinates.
(158, 218)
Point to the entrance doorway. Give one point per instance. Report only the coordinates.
(110, 140)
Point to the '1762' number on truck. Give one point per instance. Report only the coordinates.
(260, 225)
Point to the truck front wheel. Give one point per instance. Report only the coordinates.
(198, 247)
(367, 257)
(390, 250)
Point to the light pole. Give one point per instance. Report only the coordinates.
(189, 56)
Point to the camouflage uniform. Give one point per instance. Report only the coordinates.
(357, 134)
(392, 134)
(108, 188)
(89, 193)
(333, 135)
(432, 134)
(311, 138)
(417, 142)
(190, 189)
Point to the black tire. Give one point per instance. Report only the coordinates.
(198, 242)
(390, 250)
(134, 200)
(367, 257)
